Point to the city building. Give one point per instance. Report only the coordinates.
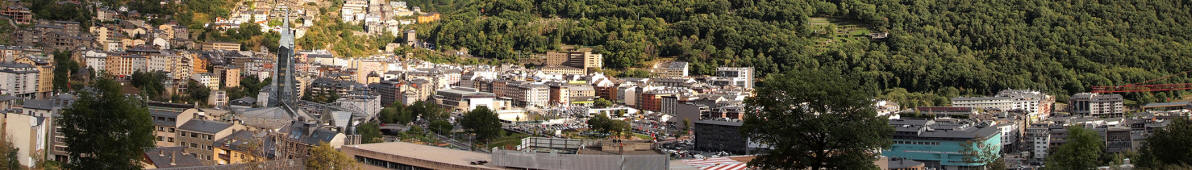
(198, 136)
(28, 133)
(224, 46)
(207, 80)
(240, 147)
(1038, 141)
(720, 135)
(581, 155)
(329, 86)
(941, 143)
(19, 14)
(563, 70)
(946, 111)
(427, 18)
(559, 94)
(18, 79)
(123, 65)
(218, 98)
(167, 118)
(389, 90)
(673, 69)
(95, 60)
(1099, 105)
(737, 76)
(401, 155)
(296, 140)
(1000, 103)
(172, 157)
(283, 81)
(1036, 104)
(466, 99)
(578, 58)
(523, 94)
(45, 75)
(51, 106)
(1118, 140)
(368, 104)
(229, 77)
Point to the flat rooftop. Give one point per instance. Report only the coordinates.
(427, 153)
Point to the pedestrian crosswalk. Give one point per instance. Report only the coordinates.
(721, 163)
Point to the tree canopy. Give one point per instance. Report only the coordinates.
(973, 47)
(63, 68)
(1168, 146)
(1082, 150)
(369, 132)
(815, 119)
(324, 157)
(602, 123)
(482, 122)
(197, 92)
(105, 129)
(150, 83)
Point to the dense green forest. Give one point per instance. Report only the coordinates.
(934, 49)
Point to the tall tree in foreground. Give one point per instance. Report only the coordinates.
(484, 123)
(324, 157)
(815, 119)
(1082, 150)
(9, 154)
(1168, 146)
(105, 129)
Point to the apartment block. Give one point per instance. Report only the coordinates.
(1099, 105)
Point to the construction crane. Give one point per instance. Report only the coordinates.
(1145, 87)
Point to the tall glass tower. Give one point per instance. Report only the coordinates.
(283, 83)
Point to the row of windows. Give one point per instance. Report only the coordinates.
(386, 164)
(196, 135)
(196, 145)
(915, 143)
(163, 129)
(165, 118)
(168, 139)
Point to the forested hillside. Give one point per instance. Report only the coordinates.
(944, 48)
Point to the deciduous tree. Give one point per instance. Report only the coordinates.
(105, 129)
(1168, 146)
(482, 122)
(1081, 150)
(324, 157)
(815, 119)
(369, 132)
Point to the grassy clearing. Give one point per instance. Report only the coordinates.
(508, 141)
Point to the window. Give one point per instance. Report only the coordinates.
(193, 135)
(183, 133)
(159, 138)
(169, 139)
(171, 129)
(193, 145)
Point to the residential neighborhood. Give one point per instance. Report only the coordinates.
(393, 84)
